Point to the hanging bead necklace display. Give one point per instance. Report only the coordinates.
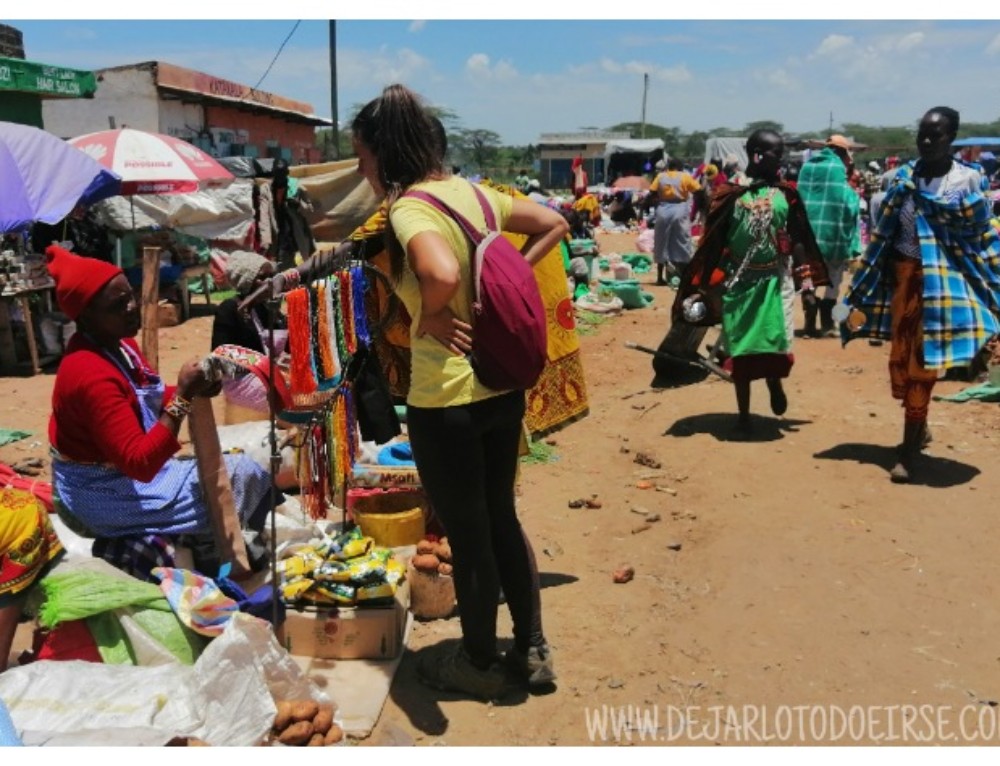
(327, 324)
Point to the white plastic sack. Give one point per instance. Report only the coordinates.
(226, 698)
(254, 439)
(644, 242)
(593, 302)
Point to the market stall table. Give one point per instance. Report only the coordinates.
(8, 350)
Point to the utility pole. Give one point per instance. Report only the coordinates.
(333, 89)
(645, 90)
(831, 121)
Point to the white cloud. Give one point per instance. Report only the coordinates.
(781, 78)
(679, 73)
(833, 43)
(910, 41)
(676, 74)
(611, 66)
(416, 26)
(365, 69)
(477, 63)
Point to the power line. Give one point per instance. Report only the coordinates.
(280, 49)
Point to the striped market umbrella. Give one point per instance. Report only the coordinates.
(152, 163)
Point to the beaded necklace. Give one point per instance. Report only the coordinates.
(302, 378)
(329, 365)
(346, 305)
(339, 323)
(359, 284)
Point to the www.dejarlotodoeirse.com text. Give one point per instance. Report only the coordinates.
(806, 724)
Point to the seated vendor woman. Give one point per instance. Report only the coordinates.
(114, 429)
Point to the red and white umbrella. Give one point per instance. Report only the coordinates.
(152, 163)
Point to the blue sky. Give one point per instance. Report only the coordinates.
(527, 77)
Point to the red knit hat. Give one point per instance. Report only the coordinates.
(78, 278)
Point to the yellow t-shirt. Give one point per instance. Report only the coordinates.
(439, 378)
(674, 186)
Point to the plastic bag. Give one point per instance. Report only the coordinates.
(226, 698)
(198, 601)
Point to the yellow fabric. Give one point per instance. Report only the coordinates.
(559, 314)
(560, 395)
(27, 541)
(439, 378)
(667, 193)
(588, 204)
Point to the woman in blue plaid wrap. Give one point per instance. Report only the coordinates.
(930, 279)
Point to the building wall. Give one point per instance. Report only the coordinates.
(127, 95)
(556, 160)
(181, 119)
(131, 97)
(262, 128)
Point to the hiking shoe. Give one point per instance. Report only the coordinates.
(534, 668)
(453, 671)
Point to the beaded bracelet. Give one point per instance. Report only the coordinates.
(178, 408)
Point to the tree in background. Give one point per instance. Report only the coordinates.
(476, 149)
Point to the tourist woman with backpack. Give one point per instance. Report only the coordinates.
(464, 435)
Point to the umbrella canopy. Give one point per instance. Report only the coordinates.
(42, 178)
(982, 141)
(152, 163)
(631, 182)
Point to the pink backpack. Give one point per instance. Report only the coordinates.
(509, 341)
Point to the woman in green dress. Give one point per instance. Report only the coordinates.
(756, 249)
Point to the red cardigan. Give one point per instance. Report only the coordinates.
(95, 414)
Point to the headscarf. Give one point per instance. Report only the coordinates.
(242, 269)
(78, 278)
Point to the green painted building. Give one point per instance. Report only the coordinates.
(24, 84)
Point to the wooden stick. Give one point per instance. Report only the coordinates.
(216, 487)
(150, 305)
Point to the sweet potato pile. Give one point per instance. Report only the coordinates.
(305, 723)
(433, 556)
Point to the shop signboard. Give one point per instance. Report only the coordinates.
(47, 81)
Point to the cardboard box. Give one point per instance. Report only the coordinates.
(355, 633)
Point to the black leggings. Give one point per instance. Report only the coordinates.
(467, 460)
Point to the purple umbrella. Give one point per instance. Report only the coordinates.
(42, 177)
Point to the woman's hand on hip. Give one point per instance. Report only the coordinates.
(448, 330)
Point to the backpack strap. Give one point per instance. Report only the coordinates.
(471, 231)
(474, 235)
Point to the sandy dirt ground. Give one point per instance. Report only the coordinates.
(780, 572)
